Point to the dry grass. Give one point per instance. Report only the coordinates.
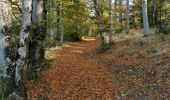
(140, 67)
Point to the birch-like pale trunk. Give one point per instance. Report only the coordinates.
(145, 18)
(5, 20)
(6, 77)
(127, 16)
(110, 22)
(21, 67)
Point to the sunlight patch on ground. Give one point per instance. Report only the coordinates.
(49, 53)
(55, 48)
(89, 38)
(76, 51)
(75, 47)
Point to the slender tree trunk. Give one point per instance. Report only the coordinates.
(110, 23)
(62, 34)
(115, 6)
(154, 12)
(78, 13)
(62, 24)
(160, 11)
(98, 14)
(164, 9)
(145, 18)
(127, 16)
(52, 36)
(100, 32)
(120, 13)
(21, 65)
(136, 20)
(57, 20)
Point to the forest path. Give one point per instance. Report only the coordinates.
(74, 75)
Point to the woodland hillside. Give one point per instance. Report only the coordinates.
(85, 49)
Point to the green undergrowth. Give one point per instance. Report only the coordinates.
(103, 47)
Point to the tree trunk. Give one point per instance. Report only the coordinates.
(115, 6)
(120, 13)
(127, 16)
(145, 18)
(154, 12)
(62, 24)
(7, 65)
(5, 20)
(110, 23)
(37, 10)
(21, 64)
(78, 13)
(52, 36)
(62, 34)
(98, 14)
(160, 11)
(36, 50)
(57, 21)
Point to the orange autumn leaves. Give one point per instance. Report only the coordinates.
(74, 75)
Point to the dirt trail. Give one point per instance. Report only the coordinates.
(74, 75)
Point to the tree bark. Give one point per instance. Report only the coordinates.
(145, 18)
(127, 16)
(62, 24)
(52, 36)
(21, 64)
(36, 50)
(57, 21)
(115, 6)
(120, 13)
(110, 23)
(7, 65)
(98, 14)
(154, 12)
(5, 20)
